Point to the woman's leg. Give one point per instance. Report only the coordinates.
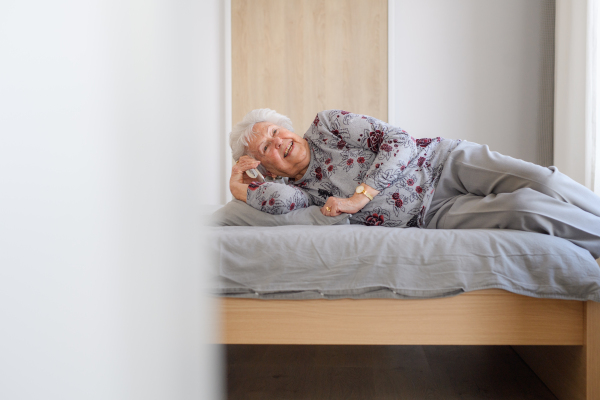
(526, 210)
(547, 201)
(473, 168)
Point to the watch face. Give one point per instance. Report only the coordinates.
(360, 189)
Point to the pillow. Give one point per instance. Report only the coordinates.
(238, 213)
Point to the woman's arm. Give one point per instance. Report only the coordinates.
(276, 198)
(336, 206)
(363, 141)
(270, 197)
(388, 149)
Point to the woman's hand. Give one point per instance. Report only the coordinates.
(239, 180)
(238, 172)
(336, 206)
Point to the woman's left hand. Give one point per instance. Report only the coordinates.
(336, 206)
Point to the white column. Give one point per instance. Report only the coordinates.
(572, 139)
(102, 111)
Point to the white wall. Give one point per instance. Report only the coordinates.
(216, 103)
(572, 138)
(475, 70)
(107, 115)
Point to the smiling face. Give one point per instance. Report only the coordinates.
(280, 151)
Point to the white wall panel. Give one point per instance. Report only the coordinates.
(475, 70)
(213, 79)
(107, 115)
(573, 144)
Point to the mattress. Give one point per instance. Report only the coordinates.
(355, 261)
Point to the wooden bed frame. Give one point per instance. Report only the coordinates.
(559, 339)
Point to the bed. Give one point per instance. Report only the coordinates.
(356, 285)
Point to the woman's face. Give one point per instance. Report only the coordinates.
(280, 151)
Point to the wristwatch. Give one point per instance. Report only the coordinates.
(363, 190)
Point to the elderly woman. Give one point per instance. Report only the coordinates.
(356, 164)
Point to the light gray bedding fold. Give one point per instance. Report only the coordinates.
(354, 261)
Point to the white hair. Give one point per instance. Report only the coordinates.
(242, 132)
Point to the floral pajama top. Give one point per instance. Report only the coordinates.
(348, 149)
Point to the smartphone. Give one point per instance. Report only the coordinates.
(258, 173)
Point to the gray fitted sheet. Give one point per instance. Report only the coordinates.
(355, 261)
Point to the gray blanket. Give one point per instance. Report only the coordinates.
(353, 261)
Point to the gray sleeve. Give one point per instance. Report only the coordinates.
(392, 147)
(276, 198)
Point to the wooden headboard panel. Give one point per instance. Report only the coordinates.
(303, 56)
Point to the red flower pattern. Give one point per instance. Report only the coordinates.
(255, 185)
(319, 173)
(374, 220)
(423, 142)
(386, 147)
(374, 140)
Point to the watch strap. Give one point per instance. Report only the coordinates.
(364, 191)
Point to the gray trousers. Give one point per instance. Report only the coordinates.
(481, 189)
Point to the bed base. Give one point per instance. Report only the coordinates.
(559, 339)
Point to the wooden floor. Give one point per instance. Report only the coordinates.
(379, 372)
